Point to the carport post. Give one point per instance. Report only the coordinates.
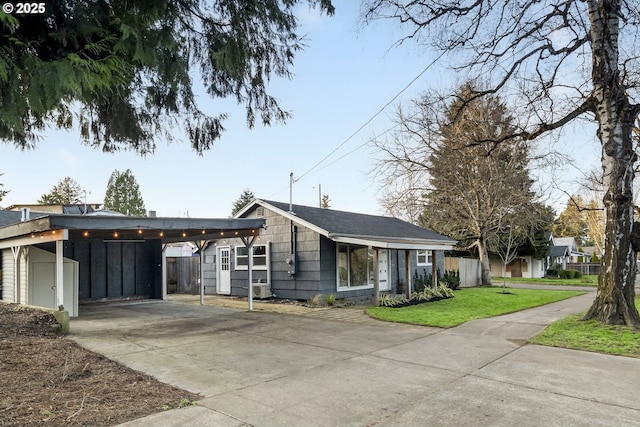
(248, 243)
(201, 245)
(164, 271)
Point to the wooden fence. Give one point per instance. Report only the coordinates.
(182, 275)
(469, 269)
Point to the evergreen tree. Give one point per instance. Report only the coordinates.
(128, 66)
(123, 194)
(477, 186)
(66, 192)
(245, 198)
(325, 203)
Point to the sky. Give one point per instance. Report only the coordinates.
(342, 80)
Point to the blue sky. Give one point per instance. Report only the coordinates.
(342, 79)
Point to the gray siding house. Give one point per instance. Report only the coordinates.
(306, 251)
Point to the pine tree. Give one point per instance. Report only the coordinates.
(123, 194)
(128, 67)
(477, 186)
(66, 192)
(245, 198)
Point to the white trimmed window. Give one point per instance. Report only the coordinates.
(260, 257)
(424, 258)
(355, 266)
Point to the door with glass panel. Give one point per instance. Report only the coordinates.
(224, 270)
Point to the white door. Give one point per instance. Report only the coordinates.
(224, 270)
(43, 285)
(383, 270)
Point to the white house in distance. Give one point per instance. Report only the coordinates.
(523, 266)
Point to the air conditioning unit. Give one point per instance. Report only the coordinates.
(261, 291)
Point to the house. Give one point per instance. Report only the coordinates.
(78, 208)
(306, 251)
(56, 259)
(522, 266)
(564, 250)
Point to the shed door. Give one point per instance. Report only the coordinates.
(383, 270)
(43, 292)
(224, 270)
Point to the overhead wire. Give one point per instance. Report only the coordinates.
(384, 107)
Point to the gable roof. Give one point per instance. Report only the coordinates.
(350, 227)
(559, 251)
(570, 242)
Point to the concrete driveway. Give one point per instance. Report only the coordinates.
(271, 369)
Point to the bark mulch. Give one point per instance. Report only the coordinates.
(46, 379)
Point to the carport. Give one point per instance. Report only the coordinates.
(98, 257)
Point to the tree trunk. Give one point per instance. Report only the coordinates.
(614, 303)
(485, 268)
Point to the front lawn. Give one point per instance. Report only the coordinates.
(470, 304)
(591, 335)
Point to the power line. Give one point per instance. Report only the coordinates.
(371, 118)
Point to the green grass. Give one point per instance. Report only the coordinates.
(583, 281)
(470, 304)
(591, 335)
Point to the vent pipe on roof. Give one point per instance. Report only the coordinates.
(25, 214)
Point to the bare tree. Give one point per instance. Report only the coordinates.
(464, 187)
(558, 61)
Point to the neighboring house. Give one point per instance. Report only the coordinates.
(75, 209)
(50, 260)
(306, 251)
(522, 266)
(564, 250)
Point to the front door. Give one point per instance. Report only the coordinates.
(224, 270)
(516, 268)
(383, 270)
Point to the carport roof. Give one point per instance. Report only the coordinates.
(125, 228)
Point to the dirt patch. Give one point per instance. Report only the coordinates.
(46, 379)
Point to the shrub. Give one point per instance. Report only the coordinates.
(330, 299)
(425, 280)
(569, 274)
(451, 279)
(388, 300)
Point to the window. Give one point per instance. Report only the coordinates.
(260, 257)
(355, 266)
(424, 258)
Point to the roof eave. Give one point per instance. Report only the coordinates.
(396, 243)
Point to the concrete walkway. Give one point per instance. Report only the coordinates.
(274, 369)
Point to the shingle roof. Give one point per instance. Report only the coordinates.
(14, 217)
(559, 251)
(341, 223)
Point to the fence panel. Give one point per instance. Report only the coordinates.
(469, 269)
(589, 268)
